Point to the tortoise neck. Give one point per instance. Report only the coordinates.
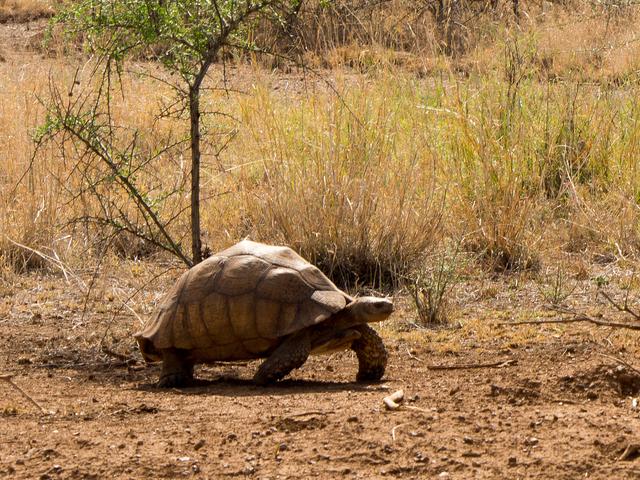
(342, 320)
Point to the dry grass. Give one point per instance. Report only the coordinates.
(567, 40)
(518, 158)
(29, 210)
(344, 186)
(20, 11)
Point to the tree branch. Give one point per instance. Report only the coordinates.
(96, 146)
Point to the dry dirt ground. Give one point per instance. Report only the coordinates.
(560, 406)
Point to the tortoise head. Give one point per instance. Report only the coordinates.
(370, 309)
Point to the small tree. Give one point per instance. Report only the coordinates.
(186, 38)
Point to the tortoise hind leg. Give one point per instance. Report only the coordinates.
(371, 353)
(177, 370)
(291, 354)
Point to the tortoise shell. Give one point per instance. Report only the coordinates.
(239, 303)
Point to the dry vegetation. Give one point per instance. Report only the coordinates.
(26, 10)
(516, 137)
(485, 163)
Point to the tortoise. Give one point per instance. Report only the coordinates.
(260, 301)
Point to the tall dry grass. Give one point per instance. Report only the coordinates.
(344, 180)
(28, 200)
(26, 10)
(531, 150)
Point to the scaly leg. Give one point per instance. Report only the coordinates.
(177, 370)
(291, 354)
(372, 356)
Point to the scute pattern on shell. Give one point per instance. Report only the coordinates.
(238, 303)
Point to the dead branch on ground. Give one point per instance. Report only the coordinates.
(583, 317)
(620, 361)
(465, 366)
(621, 308)
(630, 453)
(577, 318)
(9, 379)
(126, 359)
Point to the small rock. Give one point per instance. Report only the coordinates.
(48, 453)
(443, 475)
(249, 470)
(531, 441)
(467, 440)
(231, 437)
(353, 419)
(184, 459)
(471, 454)
(420, 458)
(282, 447)
(199, 445)
(392, 402)
(513, 461)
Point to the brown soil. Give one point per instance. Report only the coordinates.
(561, 409)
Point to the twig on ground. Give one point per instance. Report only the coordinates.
(411, 355)
(417, 409)
(464, 366)
(621, 308)
(619, 360)
(9, 380)
(577, 318)
(393, 430)
(120, 356)
(631, 452)
(311, 412)
(71, 365)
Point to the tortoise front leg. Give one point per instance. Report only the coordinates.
(371, 353)
(291, 354)
(177, 370)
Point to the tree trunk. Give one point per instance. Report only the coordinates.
(194, 117)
